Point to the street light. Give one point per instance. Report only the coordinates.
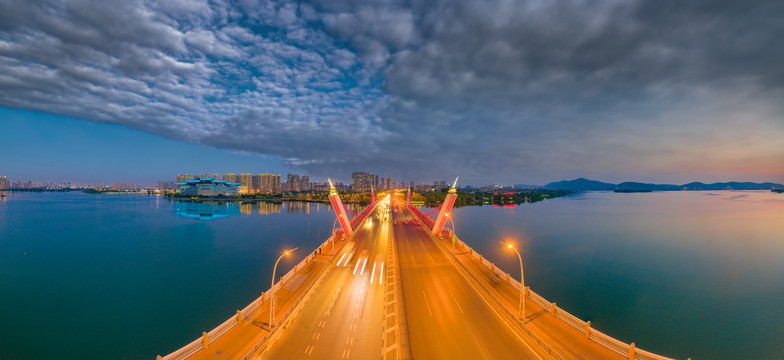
(454, 233)
(272, 287)
(521, 307)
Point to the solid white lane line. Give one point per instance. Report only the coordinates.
(456, 303)
(373, 274)
(427, 303)
(341, 258)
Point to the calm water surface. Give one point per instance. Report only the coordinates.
(127, 276)
(685, 274)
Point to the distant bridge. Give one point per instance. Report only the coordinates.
(395, 283)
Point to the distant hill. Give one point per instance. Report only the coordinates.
(733, 185)
(643, 186)
(580, 184)
(583, 184)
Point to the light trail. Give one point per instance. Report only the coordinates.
(363, 267)
(349, 259)
(373, 274)
(341, 258)
(356, 267)
(381, 275)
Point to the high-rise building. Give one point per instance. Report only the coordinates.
(362, 181)
(269, 183)
(4, 183)
(292, 182)
(184, 177)
(387, 183)
(204, 176)
(304, 183)
(230, 177)
(256, 183)
(215, 177)
(246, 180)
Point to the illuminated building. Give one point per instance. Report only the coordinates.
(362, 181)
(230, 177)
(304, 183)
(246, 180)
(181, 178)
(269, 183)
(208, 187)
(292, 182)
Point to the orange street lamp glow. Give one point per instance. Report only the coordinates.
(272, 287)
(521, 307)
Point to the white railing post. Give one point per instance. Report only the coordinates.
(552, 308)
(204, 339)
(631, 351)
(239, 317)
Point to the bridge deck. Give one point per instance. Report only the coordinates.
(455, 307)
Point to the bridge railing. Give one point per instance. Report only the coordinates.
(615, 345)
(422, 216)
(214, 334)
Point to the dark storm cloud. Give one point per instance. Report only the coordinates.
(506, 91)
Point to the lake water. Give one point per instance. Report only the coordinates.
(684, 274)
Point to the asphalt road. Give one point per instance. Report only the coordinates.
(343, 318)
(447, 318)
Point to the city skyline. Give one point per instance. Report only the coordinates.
(410, 91)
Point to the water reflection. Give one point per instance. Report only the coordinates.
(206, 210)
(214, 210)
(269, 208)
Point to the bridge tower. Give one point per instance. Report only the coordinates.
(408, 197)
(340, 211)
(372, 197)
(446, 208)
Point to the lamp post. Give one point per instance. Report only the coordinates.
(521, 307)
(272, 287)
(454, 233)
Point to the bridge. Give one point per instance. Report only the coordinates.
(395, 283)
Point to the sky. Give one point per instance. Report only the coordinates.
(496, 91)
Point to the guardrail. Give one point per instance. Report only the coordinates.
(209, 337)
(615, 345)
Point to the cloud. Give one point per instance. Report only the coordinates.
(507, 91)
